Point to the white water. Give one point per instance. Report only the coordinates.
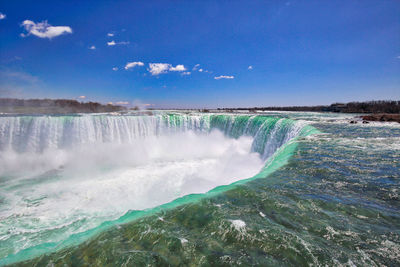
(65, 175)
(62, 191)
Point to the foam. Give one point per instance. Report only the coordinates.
(90, 184)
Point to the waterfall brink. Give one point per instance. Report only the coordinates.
(66, 178)
(38, 133)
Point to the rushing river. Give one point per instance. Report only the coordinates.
(199, 189)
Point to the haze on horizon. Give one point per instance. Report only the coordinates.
(190, 54)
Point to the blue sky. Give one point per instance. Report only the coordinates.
(300, 52)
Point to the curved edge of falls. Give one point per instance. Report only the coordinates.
(275, 139)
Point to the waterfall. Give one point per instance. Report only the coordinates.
(38, 133)
(65, 178)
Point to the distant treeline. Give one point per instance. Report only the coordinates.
(53, 106)
(380, 106)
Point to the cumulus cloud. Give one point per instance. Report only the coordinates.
(158, 68)
(2, 16)
(177, 68)
(115, 69)
(110, 34)
(196, 67)
(44, 29)
(133, 64)
(224, 77)
(82, 97)
(186, 73)
(200, 70)
(250, 67)
(92, 47)
(112, 43)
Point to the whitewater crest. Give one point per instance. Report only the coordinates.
(102, 168)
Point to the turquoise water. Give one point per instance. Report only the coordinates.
(329, 197)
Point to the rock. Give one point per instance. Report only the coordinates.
(353, 122)
(382, 117)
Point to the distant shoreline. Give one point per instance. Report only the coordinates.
(375, 110)
(53, 106)
(374, 107)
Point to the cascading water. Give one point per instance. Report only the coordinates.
(63, 175)
(37, 134)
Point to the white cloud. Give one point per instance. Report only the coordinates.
(133, 64)
(250, 67)
(43, 29)
(2, 16)
(224, 77)
(112, 43)
(122, 103)
(196, 67)
(82, 97)
(202, 70)
(158, 68)
(110, 34)
(186, 73)
(92, 47)
(115, 69)
(177, 68)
